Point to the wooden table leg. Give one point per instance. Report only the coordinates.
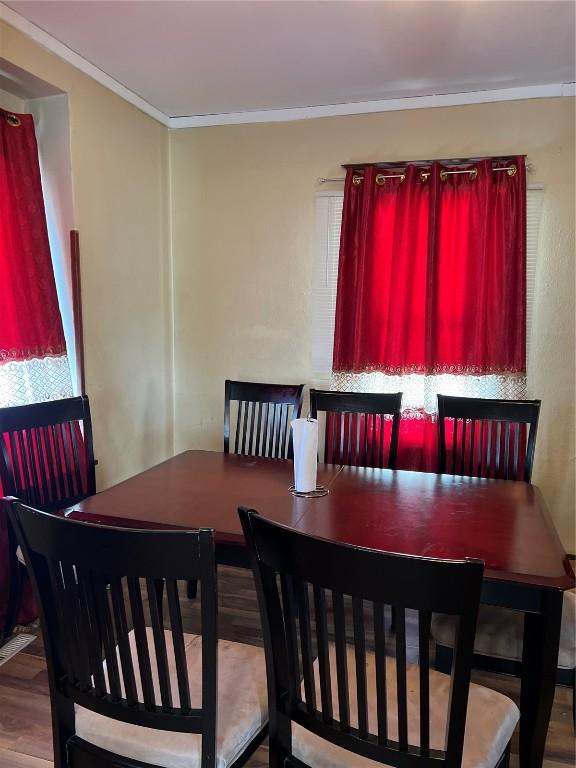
(539, 663)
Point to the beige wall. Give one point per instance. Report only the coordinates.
(10, 102)
(120, 190)
(243, 207)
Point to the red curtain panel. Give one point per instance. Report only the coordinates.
(432, 279)
(30, 320)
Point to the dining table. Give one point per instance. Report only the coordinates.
(504, 523)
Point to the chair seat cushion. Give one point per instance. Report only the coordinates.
(490, 723)
(242, 709)
(500, 632)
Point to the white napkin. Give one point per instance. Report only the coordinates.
(305, 441)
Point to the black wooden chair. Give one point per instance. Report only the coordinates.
(355, 701)
(496, 439)
(46, 460)
(360, 429)
(487, 438)
(261, 417)
(129, 688)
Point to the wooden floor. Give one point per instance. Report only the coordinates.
(25, 733)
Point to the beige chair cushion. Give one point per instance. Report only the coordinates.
(490, 723)
(500, 632)
(242, 709)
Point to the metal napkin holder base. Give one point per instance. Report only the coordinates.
(315, 494)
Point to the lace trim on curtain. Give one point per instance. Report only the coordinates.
(35, 380)
(419, 391)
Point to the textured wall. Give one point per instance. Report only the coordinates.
(243, 216)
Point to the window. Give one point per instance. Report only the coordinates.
(419, 391)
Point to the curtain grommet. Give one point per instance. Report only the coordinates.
(356, 180)
(380, 179)
(511, 171)
(443, 175)
(12, 120)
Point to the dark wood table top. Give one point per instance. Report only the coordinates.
(504, 523)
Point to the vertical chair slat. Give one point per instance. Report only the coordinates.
(76, 453)
(472, 447)
(178, 642)
(480, 454)
(33, 468)
(142, 648)
(517, 428)
(401, 679)
(264, 440)
(67, 458)
(341, 659)
(58, 466)
(489, 449)
(289, 611)
(251, 430)
(121, 623)
(424, 622)
(154, 601)
(258, 434)
(238, 424)
(72, 610)
(334, 455)
(244, 426)
(364, 454)
(50, 465)
(380, 663)
(28, 484)
(498, 447)
(381, 461)
(360, 657)
(323, 653)
(272, 432)
(278, 430)
(88, 632)
(306, 644)
(107, 633)
(328, 433)
(286, 430)
(43, 482)
(348, 437)
(69, 659)
(507, 451)
(19, 484)
(31, 491)
(463, 448)
(454, 444)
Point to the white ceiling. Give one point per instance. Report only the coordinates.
(199, 58)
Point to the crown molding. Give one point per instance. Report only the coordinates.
(384, 105)
(278, 115)
(49, 42)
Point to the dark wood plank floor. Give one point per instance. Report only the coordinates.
(25, 732)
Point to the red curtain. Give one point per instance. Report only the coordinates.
(30, 321)
(432, 279)
(27, 283)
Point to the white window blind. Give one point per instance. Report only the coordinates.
(418, 391)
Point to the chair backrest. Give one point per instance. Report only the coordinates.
(261, 417)
(487, 438)
(93, 584)
(46, 452)
(310, 590)
(361, 429)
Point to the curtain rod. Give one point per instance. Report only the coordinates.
(381, 177)
(445, 161)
